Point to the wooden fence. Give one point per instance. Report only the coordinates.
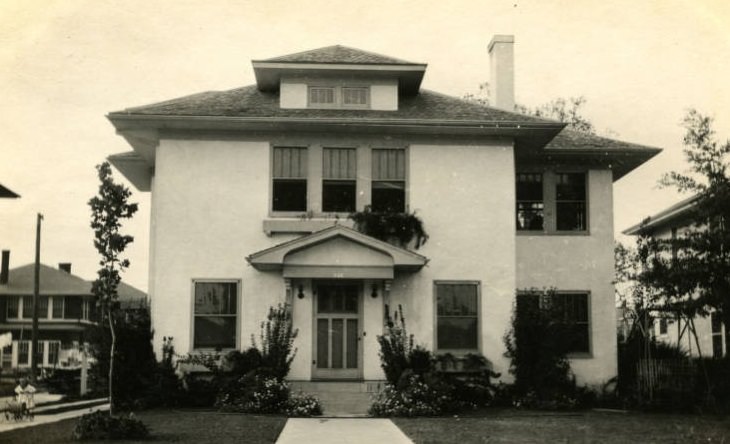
(654, 375)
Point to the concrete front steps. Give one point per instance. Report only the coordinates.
(341, 398)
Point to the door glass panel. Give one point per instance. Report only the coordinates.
(322, 342)
(351, 343)
(323, 299)
(351, 300)
(337, 334)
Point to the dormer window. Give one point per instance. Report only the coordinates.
(322, 96)
(339, 97)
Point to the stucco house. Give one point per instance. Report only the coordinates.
(713, 336)
(251, 190)
(65, 312)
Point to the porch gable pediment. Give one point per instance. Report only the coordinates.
(337, 252)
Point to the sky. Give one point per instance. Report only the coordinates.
(65, 64)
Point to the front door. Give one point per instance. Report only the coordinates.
(337, 331)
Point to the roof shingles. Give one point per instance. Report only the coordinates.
(338, 54)
(248, 101)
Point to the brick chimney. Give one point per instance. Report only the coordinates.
(502, 71)
(4, 267)
(65, 266)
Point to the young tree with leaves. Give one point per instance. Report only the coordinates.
(569, 111)
(692, 270)
(108, 209)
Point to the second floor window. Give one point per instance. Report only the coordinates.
(530, 205)
(289, 188)
(388, 192)
(570, 201)
(339, 179)
(551, 202)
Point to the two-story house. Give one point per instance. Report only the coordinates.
(66, 310)
(251, 189)
(713, 337)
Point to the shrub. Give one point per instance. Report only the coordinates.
(303, 406)
(537, 345)
(415, 395)
(396, 346)
(101, 426)
(255, 393)
(277, 341)
(132, 383)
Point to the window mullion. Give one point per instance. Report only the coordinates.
(549, 195)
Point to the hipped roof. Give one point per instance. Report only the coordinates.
(55, 282)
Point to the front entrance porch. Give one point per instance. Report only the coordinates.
(337, 282)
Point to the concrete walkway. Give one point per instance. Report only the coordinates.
(41, 418)
(341, 431)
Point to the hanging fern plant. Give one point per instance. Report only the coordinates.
(397, 228)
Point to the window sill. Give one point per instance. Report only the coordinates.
(581, 355)
(553, 233)
(302, 226)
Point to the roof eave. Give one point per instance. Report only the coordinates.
(126, 121)
(662, 218)
(268, 74)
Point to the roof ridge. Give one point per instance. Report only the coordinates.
(385, 59)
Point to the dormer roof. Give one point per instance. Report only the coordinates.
(339, 61)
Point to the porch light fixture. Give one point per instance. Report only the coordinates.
(300, 292)
(374, 293)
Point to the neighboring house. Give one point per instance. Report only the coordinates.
(251, 189)
(65, 311)
(712, 334)
(6, 193)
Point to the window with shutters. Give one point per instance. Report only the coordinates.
(289, 188)
(339, 179)
(388, 185)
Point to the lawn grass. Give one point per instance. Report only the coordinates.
(178, 426)
(583, 427)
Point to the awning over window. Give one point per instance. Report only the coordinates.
(337, 253)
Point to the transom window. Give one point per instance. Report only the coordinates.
(339, 184)
(457, 315)
(215, 315)
(388, 191)
(339, 96)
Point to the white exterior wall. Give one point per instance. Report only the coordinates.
(581, 263)
(207, 219)
(211, 198)
(465, 196)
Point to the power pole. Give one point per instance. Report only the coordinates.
(36, 290)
